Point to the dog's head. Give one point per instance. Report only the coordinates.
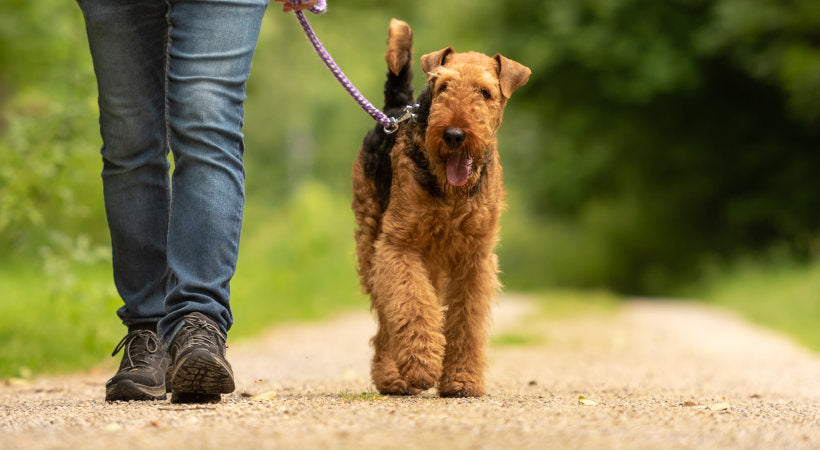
(468, 92)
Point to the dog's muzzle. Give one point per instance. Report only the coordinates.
(454, 137)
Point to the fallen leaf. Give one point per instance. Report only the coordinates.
(586, 402)
(719, 406)
(17, 381)
(689, 403)
(263, 397)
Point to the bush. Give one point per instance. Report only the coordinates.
(667, 133)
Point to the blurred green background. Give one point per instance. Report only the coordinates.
(660, 148)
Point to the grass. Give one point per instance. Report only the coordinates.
(785, 298)
(367, 396)
(516, 339)
(296, 263)
(568, 303)
(56, 322)
(554, 306)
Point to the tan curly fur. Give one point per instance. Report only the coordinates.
(427, 258)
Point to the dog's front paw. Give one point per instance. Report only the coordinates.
(388, 380)
(420, 374)
(397, 387)
(460, 387)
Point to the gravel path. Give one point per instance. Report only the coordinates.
(655, 375)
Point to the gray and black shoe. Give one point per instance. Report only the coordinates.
(143, 368)
(199, 372)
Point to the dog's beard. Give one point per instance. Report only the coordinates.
(456, 167)
(472, 181)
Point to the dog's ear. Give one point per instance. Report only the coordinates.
(432, 60)
(511, 75)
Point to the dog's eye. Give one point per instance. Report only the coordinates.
(486, 94)
(442, 88)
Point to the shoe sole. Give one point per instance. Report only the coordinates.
(127, 390)
(200, 377)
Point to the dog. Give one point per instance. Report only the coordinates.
(427, 201)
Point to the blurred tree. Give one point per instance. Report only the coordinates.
(652, 138)
(300, 123)
(669, 133)
(49, 189)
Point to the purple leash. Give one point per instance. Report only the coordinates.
(390, 124)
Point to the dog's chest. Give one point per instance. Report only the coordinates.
(452, 227)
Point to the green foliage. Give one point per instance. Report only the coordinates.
(653, 140)
(59, 300)
(665, 134)
(568, 303)
(557, 305)
(651, 137)
(57, 320)
(296, 264)
(300, 123)
(48, 140)
(296, 261)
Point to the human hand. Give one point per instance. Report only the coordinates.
(296, 5)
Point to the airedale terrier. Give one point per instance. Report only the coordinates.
(427, 200)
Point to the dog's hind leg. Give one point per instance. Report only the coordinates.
(367, 211)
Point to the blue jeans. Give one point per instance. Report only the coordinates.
(171, 75)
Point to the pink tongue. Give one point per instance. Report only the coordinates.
(459, 167)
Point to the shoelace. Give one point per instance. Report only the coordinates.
(196, 324)
(151, 346)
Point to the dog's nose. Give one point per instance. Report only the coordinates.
(454, 137)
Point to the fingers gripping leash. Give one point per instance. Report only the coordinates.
(390, 124)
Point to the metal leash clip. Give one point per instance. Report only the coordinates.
(408, 113)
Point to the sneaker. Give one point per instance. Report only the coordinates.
(142, 371)
(199, 372)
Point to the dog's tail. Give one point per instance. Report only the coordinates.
(398, 90)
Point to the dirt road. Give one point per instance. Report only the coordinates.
(654, 375)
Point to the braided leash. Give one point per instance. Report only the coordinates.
(390, 124)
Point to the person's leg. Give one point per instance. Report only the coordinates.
(127, 39)
(210, 50)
